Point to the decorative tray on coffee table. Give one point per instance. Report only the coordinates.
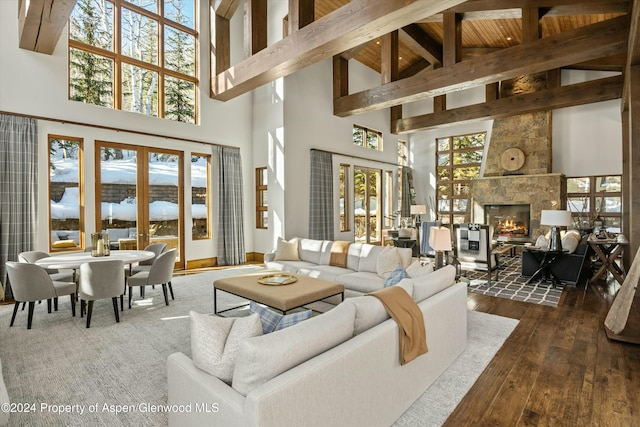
(277, 279)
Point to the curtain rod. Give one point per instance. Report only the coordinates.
(355, 157)
(136, 132)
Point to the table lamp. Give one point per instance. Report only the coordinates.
(440, 241)
(555, 219)
(416, 211)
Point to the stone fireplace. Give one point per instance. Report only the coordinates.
(524, 179)
(511, 221)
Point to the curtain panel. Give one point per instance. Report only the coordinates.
(321, 196)
(230, 236)
(18, 189)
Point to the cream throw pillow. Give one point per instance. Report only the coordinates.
(287, 251)
(387, 260)
(416, 269)
(215, 341)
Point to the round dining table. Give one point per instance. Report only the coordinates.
(73, 261)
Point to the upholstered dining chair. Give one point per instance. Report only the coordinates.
(156, 248)
(31, 283)
(160, 273)
(100, 280)
(32, 256)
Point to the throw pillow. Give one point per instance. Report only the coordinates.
(416, 269)
(542, 242)
(396, 276)
(387, 260)
(272, 321)
(287, 251)
(215, 341)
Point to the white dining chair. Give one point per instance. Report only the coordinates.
(101, 280)
(160, 273)
(31, 283)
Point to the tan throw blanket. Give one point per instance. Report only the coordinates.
(339, 252)
(408, 316)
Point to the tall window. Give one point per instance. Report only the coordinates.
(345, 183)
(589, 197)
(458, 160)
(367, 138)
(66, 197)
(262, 201)
(403, 160)
(367, 184)
(135, 55)
(200, 172)
(403, 153)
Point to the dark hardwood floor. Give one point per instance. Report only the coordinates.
(558, 368)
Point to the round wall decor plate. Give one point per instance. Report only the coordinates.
(512, 159)
(277, 279)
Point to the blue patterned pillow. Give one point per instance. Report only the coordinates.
(396, 276)
(272, 321)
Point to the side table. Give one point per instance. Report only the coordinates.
(607, 251)
(546, 258)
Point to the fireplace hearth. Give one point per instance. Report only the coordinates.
(511, 220)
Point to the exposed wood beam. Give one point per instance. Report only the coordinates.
(578, 45)
(351, 53)
(41, 23)
(509, 10)
(226, 8)
(348, 26)
(221, 50)
(633, 53)
(480, 5)
(340, 76)
(389, 48)
(301, 14)
(420, 42)
(451, 50)
(561, 97)
(413, 69)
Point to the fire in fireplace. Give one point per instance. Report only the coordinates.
(508, 220)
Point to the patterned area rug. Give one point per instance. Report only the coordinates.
(511, 285)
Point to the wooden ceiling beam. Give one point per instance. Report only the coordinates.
(486, 5)
(417, 66)
(414, 37)
(226, 8)
(348, 26)
(570, 47)
(351, 53)
(561, 97)
(301, 14)
(41, 23)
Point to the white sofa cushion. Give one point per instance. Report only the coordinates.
(387, 260)
(290, 266)
(361, 281)
(416, 269)
(215, 341)
(431, 284)
(324, 272)
(353, 256)
(310, 250)
(369, 255)
(262, 358)
(571, 240)
(370, 311)
(287, 251)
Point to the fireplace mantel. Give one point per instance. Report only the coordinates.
(543, 191)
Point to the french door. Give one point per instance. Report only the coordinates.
(367, 189)
(139, 196)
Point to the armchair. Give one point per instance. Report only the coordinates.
(473, 249)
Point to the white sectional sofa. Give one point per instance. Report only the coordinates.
(360, 275)
(340, 368)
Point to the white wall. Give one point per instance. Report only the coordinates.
(36, 84)
(309, 123)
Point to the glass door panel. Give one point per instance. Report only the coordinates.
(367, 188)
(164, 198)
(139, 196)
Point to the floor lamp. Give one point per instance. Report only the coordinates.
(555, 219)
(440, 241)
(416, 211)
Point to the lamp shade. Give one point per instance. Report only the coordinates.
(557, 218)
(440, 238)
(418, 209)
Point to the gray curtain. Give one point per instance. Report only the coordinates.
(231, 250)
(405, 209)
(18, 189)
(321, 196)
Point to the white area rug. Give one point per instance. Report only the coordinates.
(112, 368)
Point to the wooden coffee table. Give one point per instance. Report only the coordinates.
(281, 297)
